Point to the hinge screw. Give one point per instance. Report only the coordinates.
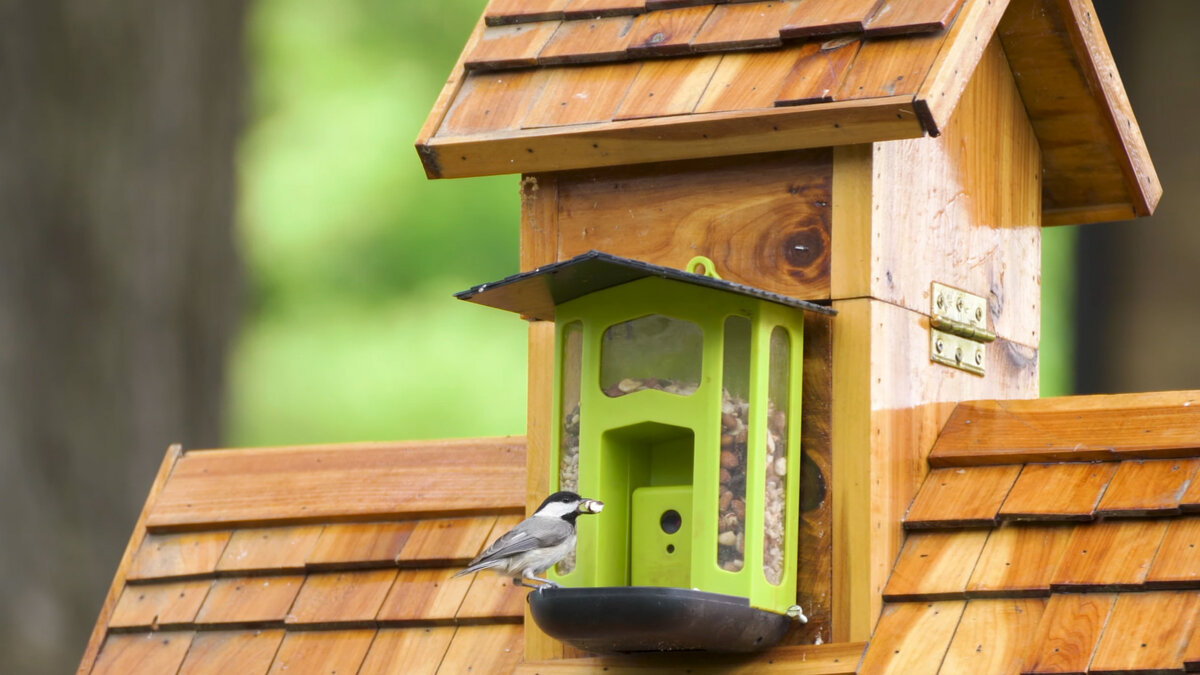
(959, 305)
(939, 346)
(941, 301)
(958, 355)
(979, 358)
(979, 314)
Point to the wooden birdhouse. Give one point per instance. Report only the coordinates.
(891, 160)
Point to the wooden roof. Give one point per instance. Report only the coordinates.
(1055, 536)
(547, 85)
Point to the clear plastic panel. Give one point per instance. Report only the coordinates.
(651, 352)
(568, 450)
(735, 409)
(775, 497)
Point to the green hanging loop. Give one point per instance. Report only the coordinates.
(702, 265)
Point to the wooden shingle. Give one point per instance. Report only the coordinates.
(961, 497)
(1147, 632)
(899, 17)
(819, 70)
(912, 637)
(666, 32)
(164, 556)
(161, 604)
(1108, 555)
(493, 598)
(1067, 633)
(1019, 561)
(407, 651)
(425, 595)
(481, 649)
(502, 12)
(748, 80)
(668, 87)
(447, 541)
(341, 598)
(581, 95)
(1066, 491)
(224, 652)
(748, 25)
(1177, 563)
(993, 636)
(322, 652)
(935, 565)
(829, 17)
(1147, 487)
(159, 652)
(360, 544)
(279, 550)
(591, 41)
(248, 600)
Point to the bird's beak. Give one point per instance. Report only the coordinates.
(590, 506)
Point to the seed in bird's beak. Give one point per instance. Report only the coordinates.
(591, 506)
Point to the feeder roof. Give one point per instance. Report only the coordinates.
(548, 85)
(536, 293)
(1053, 535)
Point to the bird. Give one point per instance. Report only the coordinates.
(536, 543)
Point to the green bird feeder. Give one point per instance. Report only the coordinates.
(678, 396)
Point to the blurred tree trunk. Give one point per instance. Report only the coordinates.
(119, 286)
(1137, 300)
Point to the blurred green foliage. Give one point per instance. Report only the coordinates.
(353, 254)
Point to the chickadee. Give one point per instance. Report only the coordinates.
(538, 542)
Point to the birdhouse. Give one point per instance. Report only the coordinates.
(677, 403)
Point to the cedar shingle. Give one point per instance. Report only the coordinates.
(407, 651)
(159, 604)
(900, 17)
(157, 652)
(1146, 633)
(360, 544)
(484, 649)
(1019, 561)
(447, 541)
(322, 652)
(668, 87)
(912, 637)
(269, 549)
(511, 46)
(1058, 492)
(591, 9)
(493, 102)
(818, 72)
(746, 80)
(241, 600)
(502, 12)
(828, 17)
(744, 26)
(1177, 564)
(1067, 634)
(961, 497)
(424, 595)
(1147, 487)
(935, 565)
(591, 41)
(347, 598)
(581, 95)
(1108, 555)
(666, 32)
(890, 67)
(246, 652)
(992, 636)
(178, 555)
(493, 597)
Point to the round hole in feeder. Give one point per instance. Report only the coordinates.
(670, 522)
(670, 548)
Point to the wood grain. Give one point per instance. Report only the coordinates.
(492, 102)
(166, 556)
(912, 637)
(770, 231)
(992, 636)
(667, 32)
(321, 483)
(1067, 634)
(360, 544)
(749, 25)
(483, 649)
(747, 80)
(512, 46)
(1191, 652)
(901, 17)
(407, 651)
(88, 660)
(142, 653)
(591, 41)
(1177, 564)
(935, 565)
(269, 549)
(493, 598)
(1058, 492)
(1019, 561)
(668, 87)
(840, 658)
(581, 95)
(1071, 428)
(427, 595)
(322, 652)
(961, 497)
(341, 598)
(819, 70)
(890, 67)
(1190, 501)
(501, 12)
(828, 17)
(449, 541)
(159, 604)
(248, 652)
(1147, 487)
(245, 600)
(1147, 633)
(1108, 555)
(590, 9)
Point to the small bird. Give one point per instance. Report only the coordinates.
(538, 542)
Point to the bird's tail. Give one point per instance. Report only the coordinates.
(477, 567)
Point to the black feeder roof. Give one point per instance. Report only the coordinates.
(536, 293)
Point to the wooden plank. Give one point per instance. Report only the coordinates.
(322, 652)
(449, 541)
(407, 651)
(890, 67)
(510, 46)
(992, 636)
(1108, 555)
(912, 637)
(249, 600)
(159, 604)
(450, 91)
(135, 541)
(748, 80)
(343, 598)
(249, 652)
(764, 220)
(1058, 492)
(966, 41)
(157, 652)
(667, 32)
(656, 140)
(668, 87)
(828, 17)
(1154, 425)
(1066, 636)
(961, 497)
(591, 41)
(1191, 652)
(748, 25)
(483, 649)
(935, 565)
(1147, 633)
(278, 550)
(1190, 501)
(1177, 564)
(427, 595)
(493, 102)
(167, 556)
(592, 9)
(493, 598)
(901, 17)
(342, 482)
(581, 95)
(361, 544)
(827, 659)
(1019, 561)
(1147, 487)
(819, 70)
(502, 12)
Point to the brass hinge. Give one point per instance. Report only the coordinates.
(958, 329)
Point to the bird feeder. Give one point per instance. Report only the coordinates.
(678, 401)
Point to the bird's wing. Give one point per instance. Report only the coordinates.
(530, 534)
